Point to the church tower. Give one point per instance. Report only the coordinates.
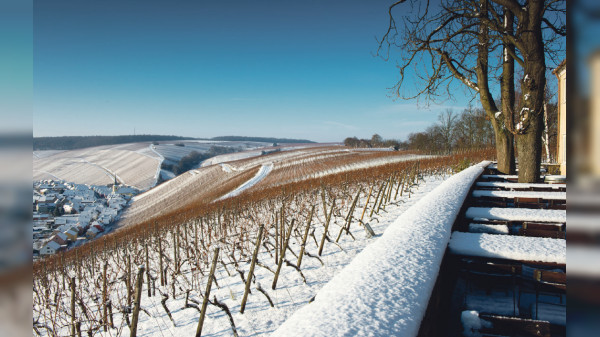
(114, 189)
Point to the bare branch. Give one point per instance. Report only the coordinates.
(513, 6)
(562, 31)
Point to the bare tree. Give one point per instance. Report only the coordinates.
(533, 46)
(447, 123)
(457, 39)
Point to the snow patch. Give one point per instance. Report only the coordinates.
(227, 168)
(472, 323)
(260, 175)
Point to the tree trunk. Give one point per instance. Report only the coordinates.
(545, 137)
(529, 148)
(530, 117)
(504, 140)
(505, 152)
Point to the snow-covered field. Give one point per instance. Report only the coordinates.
(174, 153)
(133, 164)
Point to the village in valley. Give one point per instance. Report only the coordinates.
(66, 214)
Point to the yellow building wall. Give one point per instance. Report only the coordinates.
(562, 120)
(594, 132)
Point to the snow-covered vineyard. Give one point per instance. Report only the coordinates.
(230, 174)
(362, 252)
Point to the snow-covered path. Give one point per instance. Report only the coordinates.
(260, 175)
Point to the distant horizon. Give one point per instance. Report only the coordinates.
(165, 135)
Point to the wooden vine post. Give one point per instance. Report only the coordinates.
(104, 297)
(326, 227)
(376, 199)
(346, 226)
(282, 255)
(137, 301)
(128, 280)
(302, 247)
(207, 292)
(160, 260)
(276, 237)
(147, 268)
(251, 272)
(73, 324)
(366, 204)
(400, 181)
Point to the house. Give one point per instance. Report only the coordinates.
(99, 226)
(68, 208)
(63, 228)
(82, 228)
(40, 217)
(60, 238)
(84, 218)
(127, 191)
(51, 247)
(44, 207)
(116, 202)
(561, 75)
(105, 219)
(69, 193)
(116, 206)
(110, 212)
(72, 234)
(43, 199)
(91, 233)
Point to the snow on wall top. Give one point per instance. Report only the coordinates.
(517, 214)
(385, 290)
(521, 194)
(520, 185)
(521, 248)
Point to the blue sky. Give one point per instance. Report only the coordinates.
(16, 55)
(294, 69)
